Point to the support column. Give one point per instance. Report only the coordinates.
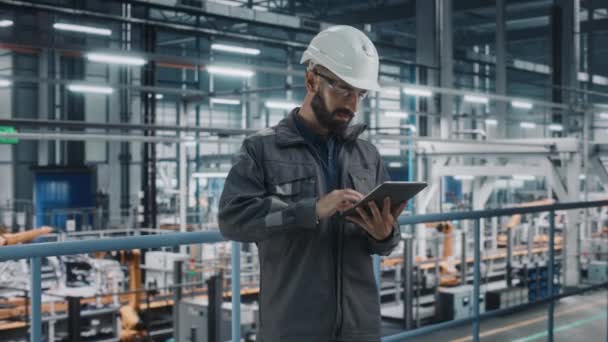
(501, 68)
(565, 30)
(571, 239)
(447, 65)
(427, 60)
(148, 100)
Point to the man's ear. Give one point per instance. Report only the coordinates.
(311, 81)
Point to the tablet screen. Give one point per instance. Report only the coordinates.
(398, 192)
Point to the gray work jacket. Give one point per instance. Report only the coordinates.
(317, 282)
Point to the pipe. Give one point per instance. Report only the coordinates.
(35, 301)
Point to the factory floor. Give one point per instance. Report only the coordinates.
(577, 318)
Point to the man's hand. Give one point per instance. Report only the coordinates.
(337, 200)
(380, 224)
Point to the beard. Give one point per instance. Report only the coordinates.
(329, 120)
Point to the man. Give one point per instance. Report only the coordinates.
(286, 192)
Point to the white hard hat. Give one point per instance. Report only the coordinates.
(348, 53)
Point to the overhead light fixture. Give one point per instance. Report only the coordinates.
(491, 122)
(83, 29)
(464, 177)
(235, 49)
(556, 127)
(603, 115)
(157, 96)
(204, 175)
(394, 92)
(6, 23)
(521, 104)
(476, 99)
(527, 124)
(229, 71)
(115, 59)
(83, 88)
(280, 105)
(414, 91)
(582, 177)
(402, 115)
(524, 177)
(410, 127)
(231, 102)
(395, 164)
(5, 83)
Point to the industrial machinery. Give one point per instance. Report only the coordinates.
(456, 303)
(193, 320)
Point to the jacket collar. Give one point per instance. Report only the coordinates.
(288, 134)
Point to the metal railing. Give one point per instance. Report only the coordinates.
(36, 251)
(476, 318)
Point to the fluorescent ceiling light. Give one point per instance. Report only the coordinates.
(157, 96)
(6, 23)
(235, 49)
(280, 105)
(582, 177)
(229, 71)
(413, 91)
(521, 104)
(524, 177)
(556, 127)
(491, 122)
(527, 124)
(410, 127)
(464, 177)
(402, 115)
(115, 59)
(395, 164)
(603, 115)
(390, 91)
(83, 29)
(476, 99)
(232, 102)
(205, 175)
(83, 88)
(5, 83)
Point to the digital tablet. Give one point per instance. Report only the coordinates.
(398, 192)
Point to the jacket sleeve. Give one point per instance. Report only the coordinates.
(248, 214)
(384, 247)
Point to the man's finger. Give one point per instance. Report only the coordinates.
(399, 210)
(354, 193)
(386, 208)
(375, 211)
(364, 216)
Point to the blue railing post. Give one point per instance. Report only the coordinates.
(550, 272)
(376, 265)
(36, 301)
(476, 278)
(236, 291)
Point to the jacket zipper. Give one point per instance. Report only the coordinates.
(335, 240)
(340, 241)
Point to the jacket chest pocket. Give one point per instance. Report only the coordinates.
(363, 180)
(291, 182)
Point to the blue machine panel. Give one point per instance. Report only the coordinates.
(58, 191)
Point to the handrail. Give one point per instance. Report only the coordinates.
(476, 214)
(46, 249)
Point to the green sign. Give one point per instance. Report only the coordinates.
(6, 129)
